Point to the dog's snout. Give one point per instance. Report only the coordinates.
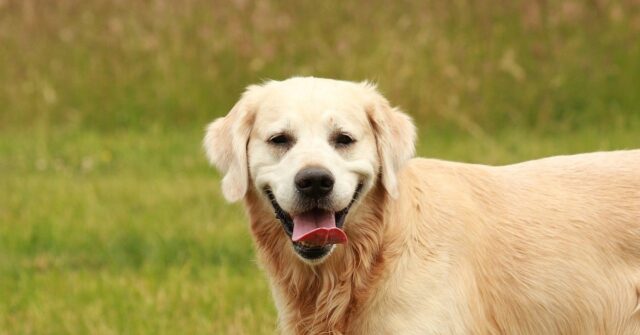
(314, 182)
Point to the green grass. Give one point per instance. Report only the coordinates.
(122, 234)
(129, 234)
(111, 222)
(120, 64)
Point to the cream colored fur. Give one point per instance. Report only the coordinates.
(550, 246)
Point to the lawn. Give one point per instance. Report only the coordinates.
(111, 221)
(127, 233)
(124, 233)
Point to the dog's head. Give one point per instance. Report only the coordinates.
(311, 147)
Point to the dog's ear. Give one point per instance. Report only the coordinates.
(395, 137)
(225, 144)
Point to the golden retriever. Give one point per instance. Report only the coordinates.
(356, 237)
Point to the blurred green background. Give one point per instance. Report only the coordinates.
(111, 222)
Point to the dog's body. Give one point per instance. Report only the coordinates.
(550, 246)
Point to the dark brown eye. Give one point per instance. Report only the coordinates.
(343, 140)
(281, 140)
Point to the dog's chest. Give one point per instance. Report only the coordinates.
(412, 301)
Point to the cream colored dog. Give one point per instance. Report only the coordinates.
(366, 240)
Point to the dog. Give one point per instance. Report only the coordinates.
(358, 237)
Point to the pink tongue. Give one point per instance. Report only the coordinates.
(317, 227)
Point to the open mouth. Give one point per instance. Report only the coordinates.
(315, 231)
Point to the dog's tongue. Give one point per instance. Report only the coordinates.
(317, 227)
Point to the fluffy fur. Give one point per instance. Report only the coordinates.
(550, 246)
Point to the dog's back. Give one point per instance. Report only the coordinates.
(568, 248)
(550, 246)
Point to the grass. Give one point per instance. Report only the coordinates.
(111, 222)
(116, 64)
(128, 234)
(122, 234)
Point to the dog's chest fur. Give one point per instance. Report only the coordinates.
(326, 298)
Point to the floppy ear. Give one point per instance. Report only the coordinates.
(395, 138)
(225, 144)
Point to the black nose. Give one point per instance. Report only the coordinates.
(314, 182)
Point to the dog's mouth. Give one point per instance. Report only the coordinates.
(314, 232)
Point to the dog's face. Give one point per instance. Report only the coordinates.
(311, 147)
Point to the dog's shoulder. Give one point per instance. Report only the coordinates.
(602, 160)
(441, 175)
(419, 168)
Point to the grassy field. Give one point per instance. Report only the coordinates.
(111, 222)
(128, 233)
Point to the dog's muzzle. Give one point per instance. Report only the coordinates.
(314, 232)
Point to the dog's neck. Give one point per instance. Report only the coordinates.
(321, 299)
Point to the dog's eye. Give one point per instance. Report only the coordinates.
(343, 140)
(281, 140)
